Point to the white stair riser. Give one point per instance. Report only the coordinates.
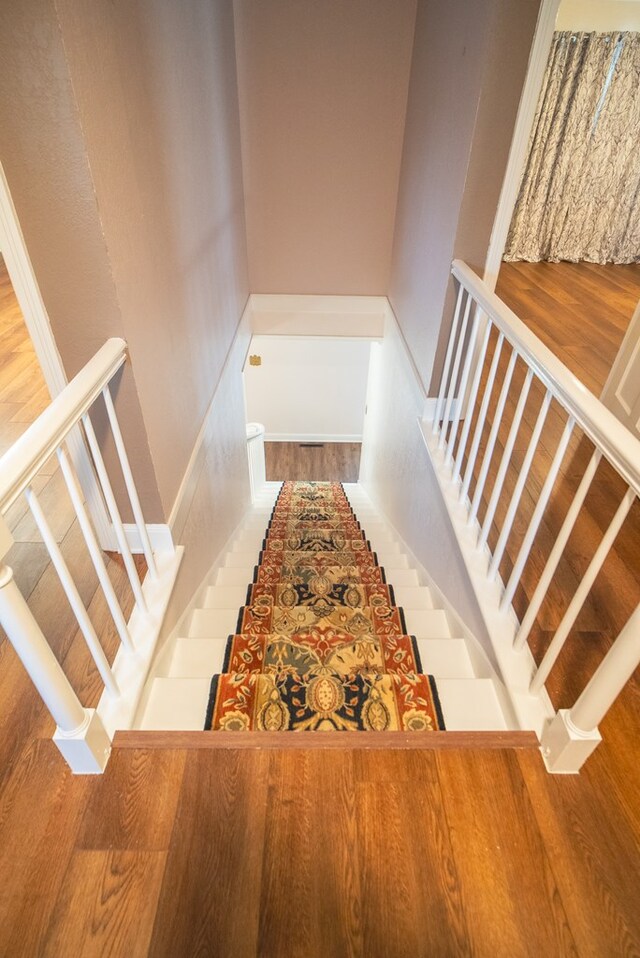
(470, 705)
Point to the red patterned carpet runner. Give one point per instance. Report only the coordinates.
(320, 644)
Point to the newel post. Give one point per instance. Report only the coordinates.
(573, 734)
(80, 734)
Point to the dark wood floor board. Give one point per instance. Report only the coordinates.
(592, 861)
(107, 905)
(403, 833)
(329, 461)
(512, 909)
(210, 897)
(310, 858)
(134, 805)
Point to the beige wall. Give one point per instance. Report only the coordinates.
(155, 83)
(469, 65)
(468, 68)
(121, 143)
(322, 94)
(44, 157)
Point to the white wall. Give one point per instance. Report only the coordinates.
(396, 472)
(602, 16)
(308, 388)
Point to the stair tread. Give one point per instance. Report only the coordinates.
(446, 658)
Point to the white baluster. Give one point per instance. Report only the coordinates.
(72, 594)
(482, 415)
(493, 435)
(75, 494)
(558, 548)
(114, 513)
(129, 482)
(573, 734)
(506, 459)
(80, 735)
(519, 487)
(538, 513)
(447, 360)
(453, 384)
(473, 394)
(464, 379)
(581, 593)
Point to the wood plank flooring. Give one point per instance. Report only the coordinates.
(300, 853)
(312, 853)
(581, 311)
(314, 462)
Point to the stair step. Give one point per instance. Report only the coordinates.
(470, 705)
(202, 658)
(197, 658)
(403, 577)
(226, 596)
(238, 560)
(177, 704)
(213, 623)
(234, 575)
(391, 560)
(413, 597)
(248, 542)
(427, 623)
(445, 658)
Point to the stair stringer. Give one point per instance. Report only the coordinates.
(482, 665)
(517, 667)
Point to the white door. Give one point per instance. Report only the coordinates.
(622, 390)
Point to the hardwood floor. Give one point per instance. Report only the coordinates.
(581, 311)
(312, 853)
(319, 462)
(287, 853)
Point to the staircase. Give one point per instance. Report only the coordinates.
(178, 689)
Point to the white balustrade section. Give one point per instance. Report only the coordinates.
(570, 736)
(84, 735)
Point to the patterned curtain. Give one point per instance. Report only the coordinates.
(579, 197)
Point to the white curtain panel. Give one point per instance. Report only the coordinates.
(579, 197)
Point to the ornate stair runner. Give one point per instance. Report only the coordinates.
(320, 643)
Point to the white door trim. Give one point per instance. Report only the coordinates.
(520, 142)
(25, 284)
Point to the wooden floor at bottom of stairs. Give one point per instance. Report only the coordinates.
(298, 854)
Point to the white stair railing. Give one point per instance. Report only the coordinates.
(569, 736)
(84, 735)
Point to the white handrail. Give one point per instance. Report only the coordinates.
(39, 442)
(618, 445)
